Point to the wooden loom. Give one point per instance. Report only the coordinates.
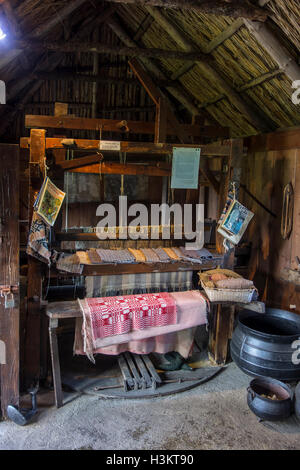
(166, 124)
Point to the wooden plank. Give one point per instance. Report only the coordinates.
(112, 168)
(111, 125)
(214, 149)
(9, 275)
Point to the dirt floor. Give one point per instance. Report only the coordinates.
(214, 415)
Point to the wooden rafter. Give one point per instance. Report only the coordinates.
(233, 8)
(80, 46)
(248, 110)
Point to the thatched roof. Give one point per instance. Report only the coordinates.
(242, 63)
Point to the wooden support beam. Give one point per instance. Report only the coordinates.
(233, 8)
(72, 46)
(34, 285)
(222, 315)
(9, 276)
(111, 125)
(208, 174)
(73, 76)
(160, 134)
(214, 149)
(249, 111)
(268, 40)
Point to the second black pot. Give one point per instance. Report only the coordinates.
(266, 408)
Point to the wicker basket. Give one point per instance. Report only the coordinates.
(243, 296)
(225, 295)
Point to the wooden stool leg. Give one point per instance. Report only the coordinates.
(58, 393)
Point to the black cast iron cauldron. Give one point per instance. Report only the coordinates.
(267, 408)
(262, 344)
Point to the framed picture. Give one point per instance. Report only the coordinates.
(235, 222)
(49, 202)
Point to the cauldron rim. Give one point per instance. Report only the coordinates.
(245, 313)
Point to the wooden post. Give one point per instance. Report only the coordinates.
(34, 285)
(9, 275)
(221, 323)
(160, 122)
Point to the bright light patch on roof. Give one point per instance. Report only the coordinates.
(2, 34)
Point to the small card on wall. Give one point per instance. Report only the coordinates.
(185, 168)
(109, 145)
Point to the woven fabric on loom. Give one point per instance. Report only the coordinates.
(150, 255)
(160, 252)
(83, 257)
(115, 256)
(38, 245)
(126, 284)
(192, 255)
(172, 254)
(138, 255)
(94, 257)
(70, 263)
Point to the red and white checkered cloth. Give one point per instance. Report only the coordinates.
(109, 316)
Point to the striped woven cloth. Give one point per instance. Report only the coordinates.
(138, 255)
(162, 255)
(150, 255)
(94, 257)
(172, 254)
(192, 255)
(115, 256)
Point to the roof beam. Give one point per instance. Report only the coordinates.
(43, 29)
(267, 39)
(250, 112)
(233, 8)
(80, 46)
